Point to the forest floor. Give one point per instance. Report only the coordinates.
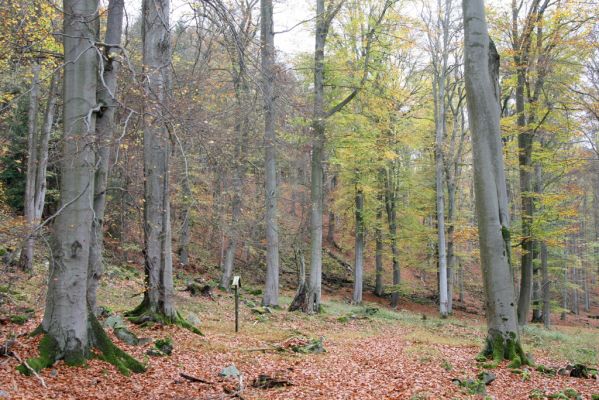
(372, 352)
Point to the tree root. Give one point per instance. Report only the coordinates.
(49, 353)
(499, 348)
(143, 315)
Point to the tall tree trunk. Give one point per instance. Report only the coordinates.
(545, 286)
(71, 329)
(26, 260)
(105, 127)
(271, 292)
(317, 173)
(565, 293)
(48, 124)
(332, 219)
(537, 295)
(185, 234)
(481, 63)
(391, 208)
(440, 81)
(359, 249)
(379, 289)
(66, 314)
(158, 296)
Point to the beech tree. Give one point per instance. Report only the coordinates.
(481, 73)
(271, 292)
(70, 328)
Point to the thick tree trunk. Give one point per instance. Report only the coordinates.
(481, 63)
(359, 248)
(71, 330)
(26, 260)
(271, 292)
(105, 127)
(158, 296)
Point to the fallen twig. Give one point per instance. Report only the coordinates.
(34, 372)
(194, 379)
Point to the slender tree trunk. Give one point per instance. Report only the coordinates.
(359, 250)
(105, 127)
(379, 289)
(332, 219)
(481, 63)
(440, 178)
(546, 286)
(158, 296)
(271, 292)
(42, 167)
(185, 235)
(390, 205)
(565, 293)
(575, 307)
(26, 260)
(317, 173)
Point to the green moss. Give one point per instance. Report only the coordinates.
(19, 319)
(499, 348)
(49, 352)
(143, 315)
(111, 353)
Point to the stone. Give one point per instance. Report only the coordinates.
(193, 319)
(230, 371)
(126, 336)
(487, 377)
(114, 321)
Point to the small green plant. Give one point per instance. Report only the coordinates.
(446, 365)
(19, 319)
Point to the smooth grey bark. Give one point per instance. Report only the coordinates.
(46, 133)
(66, 315)
(26, 259)
(267, 50)
(313, 294)
(481, 70)
(359, 248)
(439, 84)
(105, 127)
(158, 297)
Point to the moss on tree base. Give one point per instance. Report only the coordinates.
(499, 348)
(49, 353)
(144, 315)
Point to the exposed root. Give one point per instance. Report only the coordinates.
(143, 315)
(499, 348)
(49, 353)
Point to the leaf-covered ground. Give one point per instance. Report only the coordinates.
(372, 352)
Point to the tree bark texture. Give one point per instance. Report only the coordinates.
(481, 63)
(105, 127)
(271, 292)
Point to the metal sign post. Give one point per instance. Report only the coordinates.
(236, 284)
